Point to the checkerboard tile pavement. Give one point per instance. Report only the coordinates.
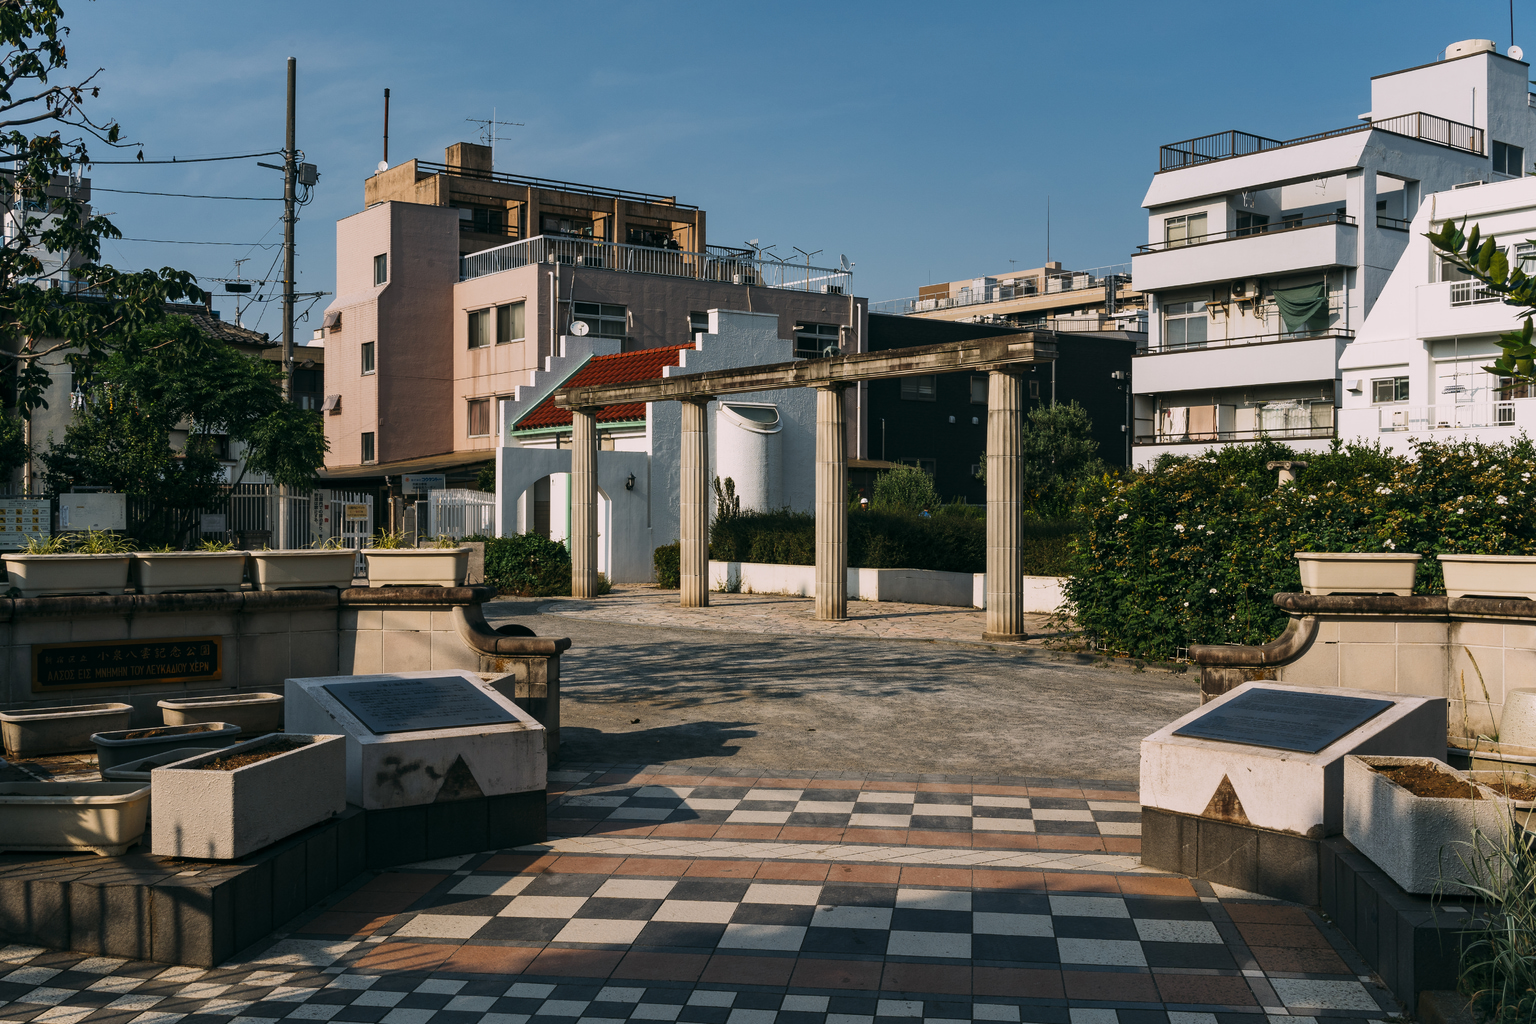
(540, 937)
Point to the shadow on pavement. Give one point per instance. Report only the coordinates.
(666, 743)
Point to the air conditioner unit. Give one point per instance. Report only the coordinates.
(1245, 290)
(1354, 386)
(831, 289)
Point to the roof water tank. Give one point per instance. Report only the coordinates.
(1467, 46)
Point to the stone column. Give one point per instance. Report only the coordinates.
(583, 503)
(693, 483)
(1005, 505)
(831, 504)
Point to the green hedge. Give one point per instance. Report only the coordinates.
(528, 565)
(667, 561)
(1195, 550)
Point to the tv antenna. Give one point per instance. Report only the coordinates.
(488, 131)
(807, 256)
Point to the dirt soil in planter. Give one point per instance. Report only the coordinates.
(1513, 789)
(1423, 780)
(245, 757)
(166, 730)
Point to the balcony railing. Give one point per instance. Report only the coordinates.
(1471, 293)
(1210, 436)
(1452, 416)
(1394, 223)
(1226, 145)
(552, 185)
(1261, 229)
(725, 267)
(1055, 282)
(1250, 339)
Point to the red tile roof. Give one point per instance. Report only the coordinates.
(646, 364)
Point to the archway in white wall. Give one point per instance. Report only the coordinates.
(604, 533)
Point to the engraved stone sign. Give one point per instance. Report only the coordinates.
(1284, 719)
(413, 705)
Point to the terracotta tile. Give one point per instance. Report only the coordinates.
(1148, 885)
(897, 836)
(748, 832)
(749, 970)
(1204, 989)
(941, 979)
(661, 966)
(1294, 936)
(341, 923)
(1122, 844)
(405, 956)
(810, 834)
(1001, 790)
(1299, 961)
(1063, 881)
(844, 974)
(1063, 794)
(881, 874)
(661, 867)
(1004, 841)
(1109, 986)
(1017, 981)
(1114, 794)
(935, 876)
(606, 828)
(928, 838)
(830, 784)
(1004, 878)
(723, 868)
(685, 830)
(804, 871)
(766, 783)
(1085, 844)
(362, 902)
(585, 865)
(490, 959)
(891, 787)
(578, 963)
(680, 780)
(1266, 913)
(944, 787)
(403, 881)
(519, 863)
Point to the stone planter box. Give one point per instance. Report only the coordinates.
(47, 575)
(138, 771)
(157, 572)
(104, 818)
(223, 815)
(416, 567)
(1489, 575)
(254, 713)
(303, 570)
(33, 732)
(123, 745)
(1491, 778)
(1416, 840)
(1356, 573)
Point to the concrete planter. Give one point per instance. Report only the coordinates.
(104, 818)
(1489, 575)
(33, 732)
(1356, 573)
(138, 771)
(416, 567)
(223, 815)
(1490, 778)
(123, 745)
(1416, 839)
(302, 570)
(157, 572)
(48, 575)
(254, 713)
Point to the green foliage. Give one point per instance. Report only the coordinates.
(727, 504)
(528, 565)
(387, 540)
(13, 446)
(485, 480)
(1061, 460)
(81, 542)
(1194, 551)
(1498, 967)
(1487, 263)
(667, 561)
(209, 544)
(903, 489)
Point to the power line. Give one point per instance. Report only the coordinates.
(188, 160)
(184, 195)
(176, 241)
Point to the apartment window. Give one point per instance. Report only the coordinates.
(1509, 390)
(917, 389)
(367, 356)
(1184, 230)
(1290, 220)
(812, 341)
(1389, 389)
(565, 226)
(698, 323)
(1451, 272)
(978, 391)
(603, 320)
(480, 328)
(479, 417)
(369, 455)
(1184, 325)
(380, 268)
(482, 221)
(1034, 389)
(1252, 223)
(1508, 159)
(1525, 258)
(509, 323)
(651, 238)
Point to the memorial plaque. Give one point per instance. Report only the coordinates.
(415, 705)
(1284, 719)
(182, 659)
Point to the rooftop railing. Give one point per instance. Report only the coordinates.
(723, 266)
(552, 185)
(1062, 281)
(1256, 229)
(1226, 145)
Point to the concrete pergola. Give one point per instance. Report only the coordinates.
(1002, 358)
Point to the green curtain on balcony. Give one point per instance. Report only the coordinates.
(1298, 306)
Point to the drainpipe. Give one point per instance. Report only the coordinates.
(554, 306)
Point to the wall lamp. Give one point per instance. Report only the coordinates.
(629, 484)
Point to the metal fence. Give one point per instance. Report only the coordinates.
(250, 513)
(460, 513)
(1224, 145)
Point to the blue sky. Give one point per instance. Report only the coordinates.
(920, 139)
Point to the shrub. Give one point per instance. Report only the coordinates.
(903, 489)
(667, 560)
(528, 565)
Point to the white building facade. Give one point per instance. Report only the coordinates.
(1264, 258)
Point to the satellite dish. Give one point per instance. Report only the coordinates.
(383, 165)
(846, 266)
(579, 328)
(1517, 53)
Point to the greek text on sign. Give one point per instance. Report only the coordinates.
(21, 518)
(182, 659)
(355, 513)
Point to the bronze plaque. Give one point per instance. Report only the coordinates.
(182, 659)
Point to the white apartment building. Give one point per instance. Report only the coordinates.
(1415, 368)
(1265, 257)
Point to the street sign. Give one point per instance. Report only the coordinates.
(421, 483)
(213, 523)
(355, 513)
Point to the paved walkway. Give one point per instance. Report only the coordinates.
(734, 896)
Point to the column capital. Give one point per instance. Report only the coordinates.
(699, 400)
(834, 385)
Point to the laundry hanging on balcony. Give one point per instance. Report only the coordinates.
(1298, 306)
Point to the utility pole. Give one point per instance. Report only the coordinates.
(290, 172)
